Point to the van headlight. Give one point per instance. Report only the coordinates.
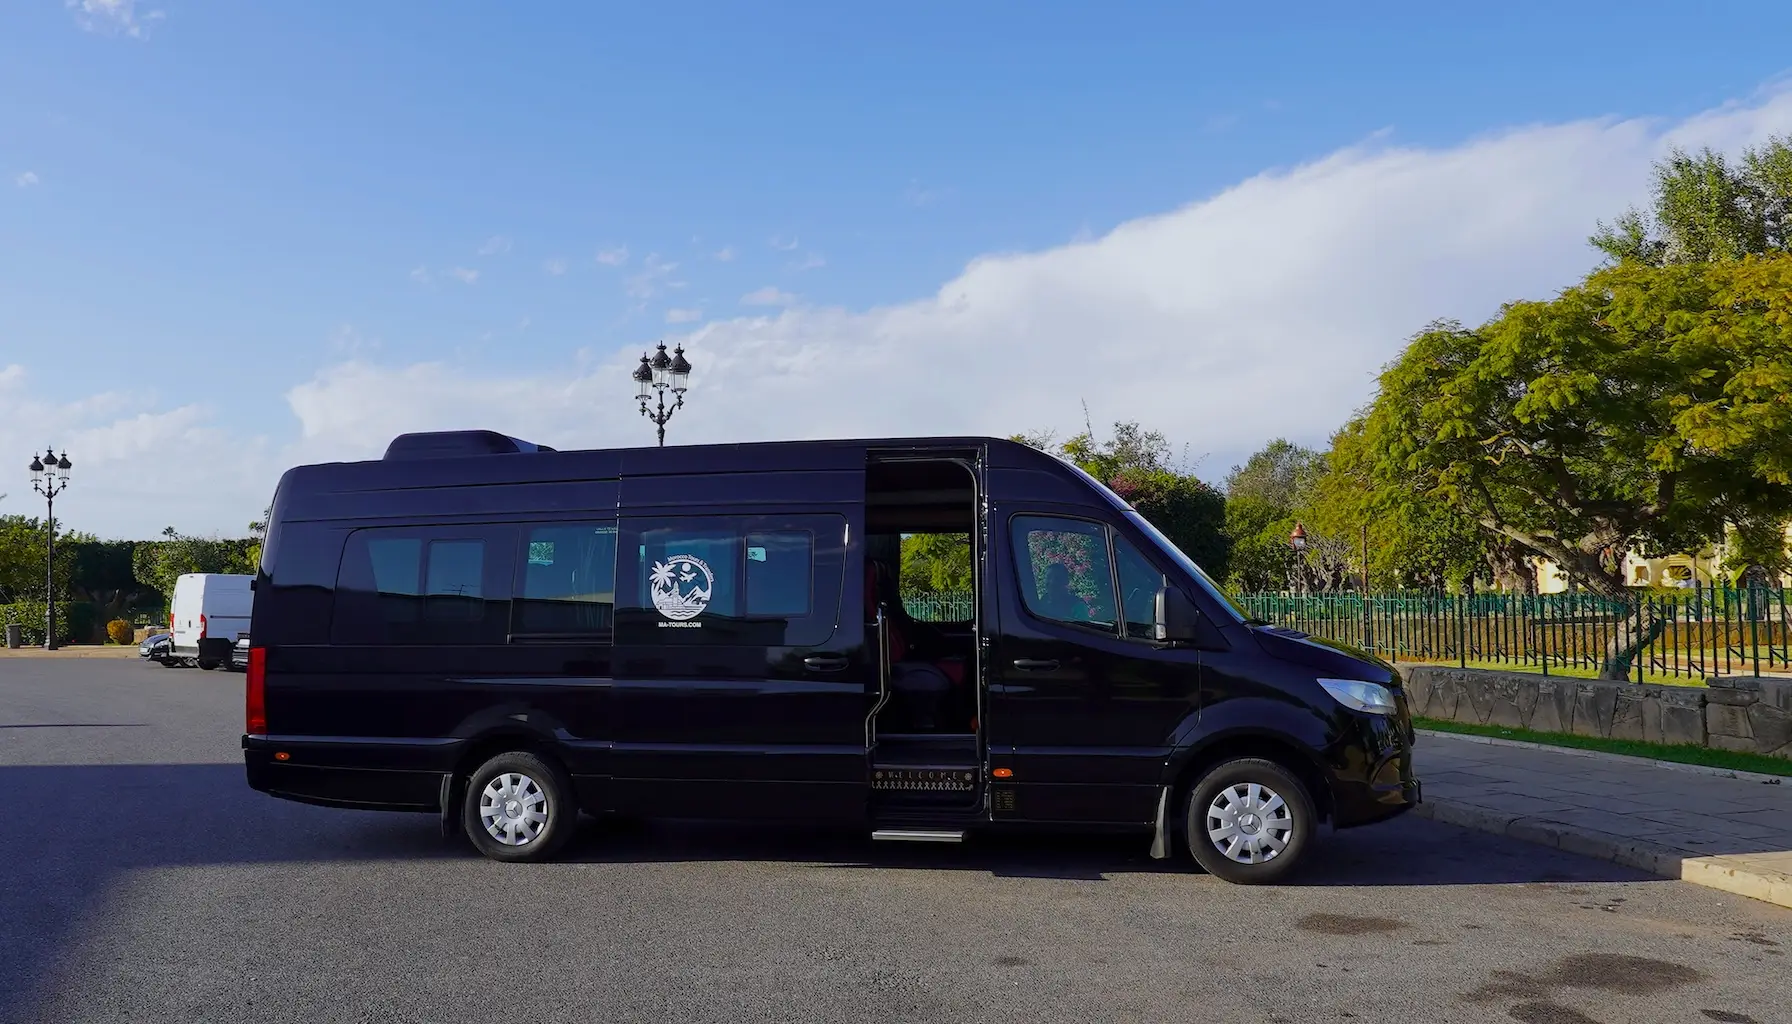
(1357, 695)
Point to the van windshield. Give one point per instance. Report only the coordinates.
(1188, 564)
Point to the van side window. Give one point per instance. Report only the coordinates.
(566, 582)
(740, 580)
(779, 568)
(420, 585)
(1064, 570)
(1139, 584)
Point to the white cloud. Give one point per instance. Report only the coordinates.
(464, 275)
(654, 278)
(810, 261)
(725, 254)
(613, 257)
(683, 316)
(497, 245)
(554, 267)
(113, 16)
(25, 179)
(119, 443)
(767, 296)
(421, 275)
(783, 244)
(1260, 311)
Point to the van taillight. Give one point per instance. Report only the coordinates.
(202, 625)
(255, 700)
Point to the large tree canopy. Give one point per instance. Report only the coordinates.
(1644, 408)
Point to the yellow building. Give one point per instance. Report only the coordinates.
(1705, 568)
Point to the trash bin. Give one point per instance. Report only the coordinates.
(15, 635)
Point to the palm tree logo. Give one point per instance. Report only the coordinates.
(681, 586)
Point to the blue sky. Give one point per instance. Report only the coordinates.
(246, 234)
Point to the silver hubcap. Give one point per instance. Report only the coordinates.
(513, 809)
(1249, 823)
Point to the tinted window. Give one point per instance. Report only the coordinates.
(1139, 584)
(1064, 571)
(423, 585)
(779, 570)
(747, 580)
(567, 580)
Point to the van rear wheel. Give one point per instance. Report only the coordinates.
(518, 807)
(1249, 821)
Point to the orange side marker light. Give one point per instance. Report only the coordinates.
(1003, 773)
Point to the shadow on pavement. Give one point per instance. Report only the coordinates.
(75, 829)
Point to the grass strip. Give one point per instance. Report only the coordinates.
(1680, 753)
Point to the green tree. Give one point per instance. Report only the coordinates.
(1643, 408)
(1265, 498)
(160, 563)
(936, 563)
(22, 555)
(1414, 542)
(101, 573)
(1708, 209)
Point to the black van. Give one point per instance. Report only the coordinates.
(507, 635)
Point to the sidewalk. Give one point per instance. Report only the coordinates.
(1698, 824)
(76, 651)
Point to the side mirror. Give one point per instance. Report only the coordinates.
(1177, 618)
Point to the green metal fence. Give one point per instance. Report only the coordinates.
(1691, 633)
(939, 606)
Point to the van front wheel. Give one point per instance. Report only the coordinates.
(1249, 821)
(518, 807)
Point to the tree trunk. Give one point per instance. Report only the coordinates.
(1637, 628)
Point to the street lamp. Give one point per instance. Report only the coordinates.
(1297, 542)
(49, 477)
(654, 377)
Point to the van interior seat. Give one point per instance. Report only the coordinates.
(920, 659)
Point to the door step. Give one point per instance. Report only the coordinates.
(924, 778)
(919, 835)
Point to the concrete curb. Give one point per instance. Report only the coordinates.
(1761, 876)
(1601, 755)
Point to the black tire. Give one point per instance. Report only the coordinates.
(1257, 827)
(207, 664)
(168, 663)
(546, 781)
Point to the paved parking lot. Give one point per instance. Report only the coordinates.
(144, 881)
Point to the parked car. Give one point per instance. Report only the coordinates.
(506, 635)
(239, 655)
(157, 648)
(209, 611)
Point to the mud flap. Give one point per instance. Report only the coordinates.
(1160, 839)
(450, 820)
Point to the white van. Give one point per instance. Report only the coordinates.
(208, 612)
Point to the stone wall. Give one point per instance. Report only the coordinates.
(1730, 713)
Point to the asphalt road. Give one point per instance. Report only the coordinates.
(141, 880)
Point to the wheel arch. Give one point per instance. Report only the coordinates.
(1197, 760)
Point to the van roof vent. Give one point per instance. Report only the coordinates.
(448, 444)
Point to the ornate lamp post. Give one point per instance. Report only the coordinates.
(49, 477)
(654, 377)
(1297, 543)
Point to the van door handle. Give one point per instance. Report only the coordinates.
(1036, 664)
(825, 663)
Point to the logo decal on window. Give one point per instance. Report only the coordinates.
(681, 587)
